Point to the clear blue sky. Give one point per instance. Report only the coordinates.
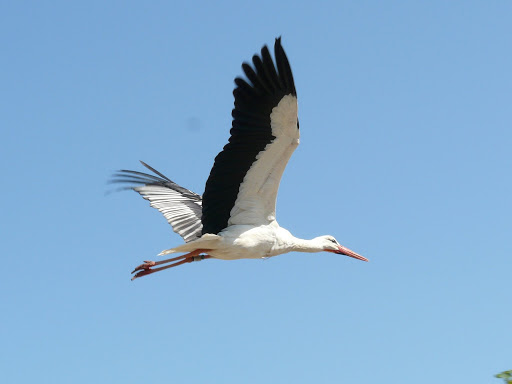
(405, 157)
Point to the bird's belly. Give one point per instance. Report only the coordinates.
(255, 243)
(237, 251)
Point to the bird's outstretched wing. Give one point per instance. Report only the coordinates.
(181, 207)
(243, 183)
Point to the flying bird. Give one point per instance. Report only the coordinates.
(236, 216)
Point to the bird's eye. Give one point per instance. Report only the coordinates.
(334, 241)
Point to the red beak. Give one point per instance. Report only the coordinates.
(345, 251)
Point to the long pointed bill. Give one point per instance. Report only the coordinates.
(345, 251)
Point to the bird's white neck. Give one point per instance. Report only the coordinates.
(310, 246)
(286, 242)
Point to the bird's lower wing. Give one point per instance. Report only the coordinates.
(180, 206)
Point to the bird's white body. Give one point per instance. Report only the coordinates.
(244, 242)
(252, 231)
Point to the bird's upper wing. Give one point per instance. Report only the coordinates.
(245, 177)
(182, 208)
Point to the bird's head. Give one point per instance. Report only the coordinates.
(330, 244)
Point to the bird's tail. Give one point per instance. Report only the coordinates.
(207, 241)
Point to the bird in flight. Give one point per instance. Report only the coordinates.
(236, 216)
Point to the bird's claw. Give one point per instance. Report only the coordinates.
(144, 267)
(142, 273)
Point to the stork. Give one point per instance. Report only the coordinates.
(236, 216)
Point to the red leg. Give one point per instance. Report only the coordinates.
(145, 269)
(148, 264)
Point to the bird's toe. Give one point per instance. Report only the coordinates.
(144, 267)
(141, 273)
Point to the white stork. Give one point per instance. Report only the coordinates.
(236, 216)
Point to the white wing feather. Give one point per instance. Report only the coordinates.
(256, 200)
(181, 212)
(181, 208)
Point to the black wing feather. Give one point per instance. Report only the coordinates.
(250, 133)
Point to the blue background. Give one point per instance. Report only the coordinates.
(405, 114)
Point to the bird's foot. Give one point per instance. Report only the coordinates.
(142, 273)
(144, 267)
